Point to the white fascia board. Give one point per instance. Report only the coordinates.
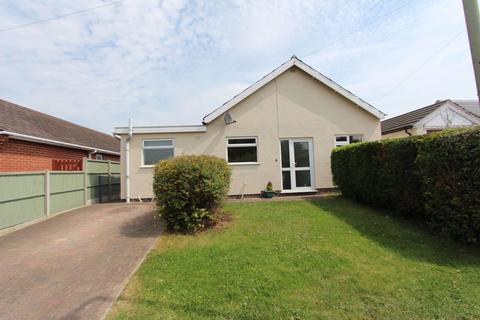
(470, 116)
(447, 104)
(247, 92)
(25, 137)
(294, 61)
(339, 89)
(161, 129)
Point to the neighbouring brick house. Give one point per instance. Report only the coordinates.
(32, 141)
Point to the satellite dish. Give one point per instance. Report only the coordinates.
(228, 119)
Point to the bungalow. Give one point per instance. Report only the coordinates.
(33, 141)
(437, 116)
(281, 129)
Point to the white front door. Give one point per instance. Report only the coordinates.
(297, 165)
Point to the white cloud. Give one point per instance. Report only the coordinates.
(168, 62)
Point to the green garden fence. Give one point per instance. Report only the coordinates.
(29, 196)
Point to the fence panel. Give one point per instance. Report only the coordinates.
(97, 171)
(115, 186)
(66, 190)
(28, 196)
(22, 197)
(115, 180)
(100, 189)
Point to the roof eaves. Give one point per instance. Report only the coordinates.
(411, 117)
(396, 129)
(338, 88)
(161, 129)
(247, 91)
(464, 109)
(294, 61)
(25, 137)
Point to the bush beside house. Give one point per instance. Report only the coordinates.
(449, 165)
(190, 191)
(435, 179)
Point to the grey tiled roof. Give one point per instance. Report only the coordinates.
(409, 119)
(22, 120)
(471, 106)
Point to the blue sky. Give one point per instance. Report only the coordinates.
(172, 62)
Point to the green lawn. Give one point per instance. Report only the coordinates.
(323, 259)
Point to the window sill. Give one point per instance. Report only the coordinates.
(147, 166)
(301, 190)
(243, 163)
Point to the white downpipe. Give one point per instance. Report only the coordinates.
(127, 161)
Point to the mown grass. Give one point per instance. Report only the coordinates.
(323, 259)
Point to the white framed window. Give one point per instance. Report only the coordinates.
(155, 150)
(98, 156)
(344, 139)
(242, 150)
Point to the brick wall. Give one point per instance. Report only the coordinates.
(18, 155)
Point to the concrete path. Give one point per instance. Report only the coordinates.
(73, 266)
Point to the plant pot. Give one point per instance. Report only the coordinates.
(268, 194)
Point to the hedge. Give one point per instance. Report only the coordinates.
(190, 191)
(433, 179)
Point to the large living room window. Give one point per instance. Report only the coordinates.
(242, 150)
(344, 139)
(156, 150)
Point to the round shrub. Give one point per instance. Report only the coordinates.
(190, 191)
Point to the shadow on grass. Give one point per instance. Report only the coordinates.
(398, 235)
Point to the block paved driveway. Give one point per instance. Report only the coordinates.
(74, 265)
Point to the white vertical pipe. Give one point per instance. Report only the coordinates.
(127, 160)
(472, 18)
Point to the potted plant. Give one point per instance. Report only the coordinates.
(268, 192)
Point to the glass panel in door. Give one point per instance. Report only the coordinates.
(302, 179)
(286, 172)
(296, 164)
(286, 180)
(302, 154)
(301, 151)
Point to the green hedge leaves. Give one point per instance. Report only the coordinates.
(190, 191)
(434, 179)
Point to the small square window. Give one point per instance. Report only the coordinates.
(344, 139)
(98, 156)
(157, 150)
(158, 143)
(242, 150)
(356, 138)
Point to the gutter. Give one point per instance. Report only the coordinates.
(404, 128)
(160, 129)
(25, 137)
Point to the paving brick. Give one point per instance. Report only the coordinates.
(74, 265)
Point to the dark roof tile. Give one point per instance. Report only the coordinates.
(22, 120)
(407, 120)
(471, 106)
